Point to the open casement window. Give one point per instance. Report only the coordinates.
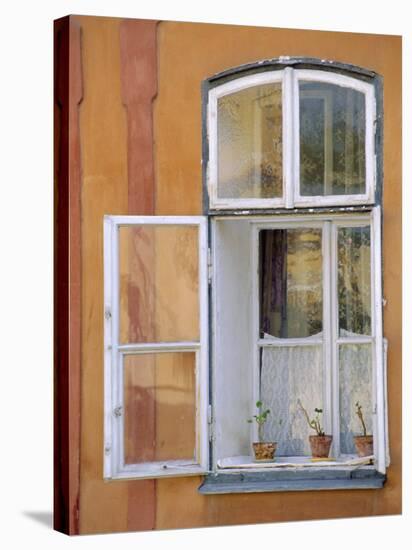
(289, 138)
(297, 316)
(292, 166)
(156, 334)
(288, 263)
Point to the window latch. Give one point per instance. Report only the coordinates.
(209, 266)
(210, 422)
(118, 411)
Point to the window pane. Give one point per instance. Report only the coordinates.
(159, 279)
(289, 374)
(250, 143)
(160, 407)
(355, 386)
(354, 280)
(332, 140)
(291, 282)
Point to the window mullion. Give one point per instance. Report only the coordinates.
(119, 412)
(379, 383)
(327, 330)
(295, 146)
(203, 367)
(109, 466)
(334, 347)
(116, 370)
(255, 327)
(156, 347)
(289, 135)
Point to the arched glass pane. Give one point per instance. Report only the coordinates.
(250, 143)
(332, 140)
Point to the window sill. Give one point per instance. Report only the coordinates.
(292, 479)
(154, 470)
(241, 463)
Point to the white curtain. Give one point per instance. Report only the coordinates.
(292, 373)
(289, 374)
(355, 385)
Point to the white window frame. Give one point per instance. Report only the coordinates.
(232, 87)
(331, 340)
(290, 140)
(367, 89)
(114, 353)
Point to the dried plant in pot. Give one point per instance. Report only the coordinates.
(364, 442)
(319, 443)
(264, 450)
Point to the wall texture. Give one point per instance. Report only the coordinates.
(137, 122)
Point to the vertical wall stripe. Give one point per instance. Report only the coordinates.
(138, 54)
(139, 88)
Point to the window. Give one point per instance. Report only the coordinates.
(282, 274)
(156, 382)
(291, 137)
(296, 316)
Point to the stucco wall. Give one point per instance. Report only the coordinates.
(186, 54)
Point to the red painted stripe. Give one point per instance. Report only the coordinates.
(138, 52)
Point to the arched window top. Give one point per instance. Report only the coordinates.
(290, 133)
(302, 63)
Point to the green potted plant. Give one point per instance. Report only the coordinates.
(364, 442)
(319, 443)
(263, 450)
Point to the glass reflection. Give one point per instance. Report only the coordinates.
(291, 282)
(250, 143)
(354, 280)
(332, 140)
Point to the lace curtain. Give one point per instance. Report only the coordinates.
(355, 385)
(289, 374)
(292, 373)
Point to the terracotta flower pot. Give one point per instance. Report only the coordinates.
(364, 444)
(264, 451)
(320, 445)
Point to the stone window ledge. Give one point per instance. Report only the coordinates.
(292, 480)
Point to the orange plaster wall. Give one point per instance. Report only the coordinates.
(188, 53)
(103, 135)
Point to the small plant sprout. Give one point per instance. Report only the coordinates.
(260, 418)
(314, 423)
(360, 415)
